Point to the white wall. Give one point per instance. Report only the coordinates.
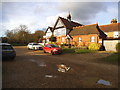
(110, 45)
(60, 32)
(48, 33)
(116, 34)
(59, 24)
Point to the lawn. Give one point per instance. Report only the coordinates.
(77, 51)
(112, 59)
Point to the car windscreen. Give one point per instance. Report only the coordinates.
(54, 45)
(35, 44)
(6, 47)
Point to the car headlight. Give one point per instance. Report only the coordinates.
(55, 50)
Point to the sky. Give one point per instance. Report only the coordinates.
(40, 15)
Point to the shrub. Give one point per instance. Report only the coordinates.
(52, 42)
(94, 46)
(118, 47)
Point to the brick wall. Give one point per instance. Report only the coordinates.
(61, 39)
(85, 40)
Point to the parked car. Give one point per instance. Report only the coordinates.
(34, 46)
(7, 51)
(52, 48)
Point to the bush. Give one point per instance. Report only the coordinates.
(94, 46)
(52, 42)
(118, 47)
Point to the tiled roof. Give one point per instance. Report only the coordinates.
(110, 27)
(69, 24)
(88, 29)
(85, 30)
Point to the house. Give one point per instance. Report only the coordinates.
(48, 33)
(61, 29)
(113, 35)
(111, 30)
(84, 35)
(70, 32)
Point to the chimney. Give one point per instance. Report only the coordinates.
(69, 17)
(114, 20)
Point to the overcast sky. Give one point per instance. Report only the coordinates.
(39, 15)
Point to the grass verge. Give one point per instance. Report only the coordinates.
(77, 51)
(112, 59)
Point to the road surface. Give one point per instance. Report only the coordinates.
(35, 69)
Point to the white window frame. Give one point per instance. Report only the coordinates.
(92, 39)
(79, 39)
(47, 40)
(63, 39)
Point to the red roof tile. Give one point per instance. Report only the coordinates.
(87, 29)
(84, 30)
(110, 27)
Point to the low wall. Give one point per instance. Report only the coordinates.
(110, 45)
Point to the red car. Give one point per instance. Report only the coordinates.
(52, 48)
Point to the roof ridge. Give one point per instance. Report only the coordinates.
(84, 25)
(50, 27)
(109, 24)
(61, 17)
(68, 21)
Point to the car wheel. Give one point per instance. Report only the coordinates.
(52, 53)
(28, 48)
(44, 51)
(33, 48)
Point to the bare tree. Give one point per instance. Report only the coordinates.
(21, 35)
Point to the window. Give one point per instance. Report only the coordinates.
(30, 44)
(48, 46)
(47, 40)
(63, 39)
(35, 44)
(116, 34)
(92, 39)
(7, 47)
(54, 45)
(79, 39)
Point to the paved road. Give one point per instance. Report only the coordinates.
(34, 69)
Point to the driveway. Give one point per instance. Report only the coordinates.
(35, 69)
